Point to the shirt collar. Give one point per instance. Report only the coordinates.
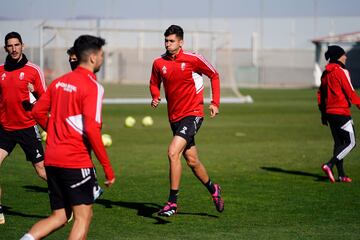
(85, 71)
(176, 56)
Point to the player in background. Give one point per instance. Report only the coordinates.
(70, 112)
(180, 73)
(73, 61)
(17, 126)
(335, 96)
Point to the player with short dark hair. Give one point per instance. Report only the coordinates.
(70, 112)
(335, 96)
(181, 74)
(73, 61)
(21, 83)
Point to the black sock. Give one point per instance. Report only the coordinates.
(210, 187)
(332, 162)
(173, 195)
(340, 168)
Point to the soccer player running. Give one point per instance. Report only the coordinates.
(181, 75)
(335, 96)
(70, 112)
(17, 126)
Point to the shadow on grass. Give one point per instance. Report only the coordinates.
(318, 177)
(8, 211)
(30, 188)
(145, 209)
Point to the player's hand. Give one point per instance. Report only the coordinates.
(155, 102)
(108, 183)
(214, 110)
(324, 120)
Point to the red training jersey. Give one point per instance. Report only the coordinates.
(336, 93)
(14, 90)
(70, 112)
(183, 83)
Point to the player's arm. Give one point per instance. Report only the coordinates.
(92, 127)
(204, 67)
(39, 85)
(155, 83)
(348, 88)
(321, 95)
(41, 109)
(36, 88)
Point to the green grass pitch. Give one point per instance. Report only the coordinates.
(266, 156)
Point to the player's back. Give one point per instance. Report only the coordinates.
(67, 145)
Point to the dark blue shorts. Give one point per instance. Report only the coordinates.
(70, 187)
(187, 129)
(29, 139)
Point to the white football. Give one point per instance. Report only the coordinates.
(147, 121)
(130, 121)
(106, 139)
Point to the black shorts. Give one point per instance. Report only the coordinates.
(187, 129)
(29, 140)
(70, 187)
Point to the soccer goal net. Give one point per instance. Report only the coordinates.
(129, 54)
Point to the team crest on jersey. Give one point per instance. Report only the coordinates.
(164, 70)
(183, 66)
(21, 76)
(3, 76)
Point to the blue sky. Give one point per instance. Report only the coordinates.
(154, 9)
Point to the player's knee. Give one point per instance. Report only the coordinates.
(3, 155)
(192, 162)
(172, 154)
(60, 218)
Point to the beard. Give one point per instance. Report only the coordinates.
(97, 69)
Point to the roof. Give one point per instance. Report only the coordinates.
(340, 38)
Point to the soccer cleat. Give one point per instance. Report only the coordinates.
(328, 172)
(2, 217)
(345, 179)
(168, 210)
(216, 197)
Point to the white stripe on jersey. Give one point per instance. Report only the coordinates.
(41, 74)
(100, 94)
(76, 122)
(346, 72)
(199, 82)
(201, 58)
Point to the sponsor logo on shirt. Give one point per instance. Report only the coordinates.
(164, 70)
(66, 87)
(3, 76)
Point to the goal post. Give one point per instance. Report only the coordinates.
(129, 54)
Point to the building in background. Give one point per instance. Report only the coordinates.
(260, 43)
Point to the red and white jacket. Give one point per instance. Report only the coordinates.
(70, 112)
(336, 93)
(183, 83)
(14, 90)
